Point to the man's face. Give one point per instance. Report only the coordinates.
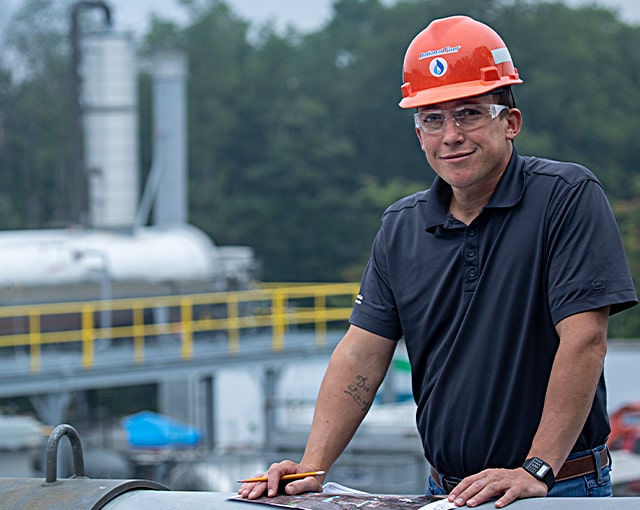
(470, 157)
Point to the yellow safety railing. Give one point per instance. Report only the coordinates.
(276, 307)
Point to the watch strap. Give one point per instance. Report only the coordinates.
(540, 470)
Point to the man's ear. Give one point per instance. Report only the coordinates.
(514, 123)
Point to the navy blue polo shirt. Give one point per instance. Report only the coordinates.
(477, 305)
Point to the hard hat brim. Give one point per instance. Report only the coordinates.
(454, 92)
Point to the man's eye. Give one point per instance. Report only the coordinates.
(432, 118)
(469, 111)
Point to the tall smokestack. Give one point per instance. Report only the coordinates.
(170, 136)
(78, 197)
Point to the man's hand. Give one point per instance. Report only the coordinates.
(505, 484)
(254, 490)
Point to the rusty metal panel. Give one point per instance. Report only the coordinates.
(68, 494)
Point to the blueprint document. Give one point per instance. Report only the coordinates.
(338, 497)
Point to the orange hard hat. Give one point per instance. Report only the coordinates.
(454, 58)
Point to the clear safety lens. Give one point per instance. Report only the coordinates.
(466, 117)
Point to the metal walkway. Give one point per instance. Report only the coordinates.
(49, 351)
(83, 345)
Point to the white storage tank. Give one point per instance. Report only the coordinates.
(116, 255)
(69, 265)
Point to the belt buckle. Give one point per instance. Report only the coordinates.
(448, 484)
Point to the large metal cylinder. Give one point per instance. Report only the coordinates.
(170, 136)
(145, 500)
(132, 495)
(67, 494)
(79, 492)
(110, 122)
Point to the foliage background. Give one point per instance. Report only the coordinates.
(296, 143)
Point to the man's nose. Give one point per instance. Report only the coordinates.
(456, 129)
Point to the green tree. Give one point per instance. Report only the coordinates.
(34, 118)
(576, 79)
(296, 142)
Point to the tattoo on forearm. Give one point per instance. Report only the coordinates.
(358, 390)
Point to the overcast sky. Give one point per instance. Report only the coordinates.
(303, 14)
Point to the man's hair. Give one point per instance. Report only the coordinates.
(505, 97)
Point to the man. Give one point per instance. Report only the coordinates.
(500, 278)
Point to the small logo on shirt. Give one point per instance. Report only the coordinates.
(359, 299)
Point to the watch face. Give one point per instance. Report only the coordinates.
(539, 469)
(543, 470)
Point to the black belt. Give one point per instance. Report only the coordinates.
(570, 469)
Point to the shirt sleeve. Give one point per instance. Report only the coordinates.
(375, 308)
(587, 265)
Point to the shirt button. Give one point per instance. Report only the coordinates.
(472, 273)
(471, 232)
(471, 253)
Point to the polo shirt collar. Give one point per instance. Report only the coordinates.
(507, 194)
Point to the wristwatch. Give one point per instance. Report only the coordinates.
(539, 469)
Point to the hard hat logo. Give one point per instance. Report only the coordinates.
(441, 51)
(455, 58)
(438, 66)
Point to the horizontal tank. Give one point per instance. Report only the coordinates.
(68, 265)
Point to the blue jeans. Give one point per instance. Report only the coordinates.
(594, 485)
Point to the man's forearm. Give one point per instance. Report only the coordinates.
(356, 370)
(574, 377)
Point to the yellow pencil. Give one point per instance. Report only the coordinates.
(292, 476)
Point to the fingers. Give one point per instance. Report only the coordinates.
(252, 490)
(505, 484)
(274, 484)
(471, 491)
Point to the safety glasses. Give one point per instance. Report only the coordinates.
(467, 117)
